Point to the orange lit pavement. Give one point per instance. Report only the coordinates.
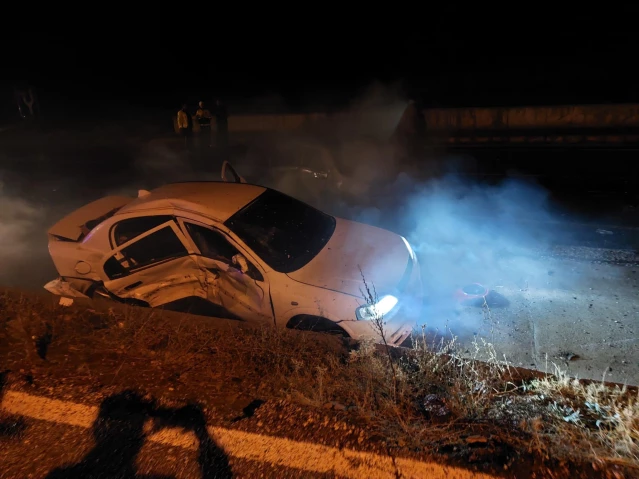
(239, 445)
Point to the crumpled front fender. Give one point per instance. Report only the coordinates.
(168, 290)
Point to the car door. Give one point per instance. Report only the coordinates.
(245, 295)
(155, 266)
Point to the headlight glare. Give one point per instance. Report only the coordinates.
(381, 308)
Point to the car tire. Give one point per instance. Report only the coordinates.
(318, 324)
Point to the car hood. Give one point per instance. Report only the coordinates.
(381, 255)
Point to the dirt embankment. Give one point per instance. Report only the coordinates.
(426, 402)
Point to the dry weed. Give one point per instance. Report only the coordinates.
(601, 416)
(404, 394)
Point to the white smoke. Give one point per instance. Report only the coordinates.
(463, 231)
(20, 235)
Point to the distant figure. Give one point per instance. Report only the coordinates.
(202, 115)
(221, 121)
(183, 124)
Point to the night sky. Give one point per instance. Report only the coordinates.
(446, 58)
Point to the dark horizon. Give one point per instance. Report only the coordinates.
(499, 86)
(456, 59)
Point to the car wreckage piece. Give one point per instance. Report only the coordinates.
(249, 252)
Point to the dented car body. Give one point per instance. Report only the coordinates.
(249, 252)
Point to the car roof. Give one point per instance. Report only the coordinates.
(217, 199)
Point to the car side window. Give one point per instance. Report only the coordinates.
(214, 245)
(126, 230)
(154, 248)
(211, 243)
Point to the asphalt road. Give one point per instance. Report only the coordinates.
(125, 436)
(581, 317)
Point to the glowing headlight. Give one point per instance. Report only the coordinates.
(381, 308)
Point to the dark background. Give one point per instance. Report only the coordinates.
(448, 56)
(106, 64)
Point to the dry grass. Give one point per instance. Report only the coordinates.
(603, 418)
(429, 395)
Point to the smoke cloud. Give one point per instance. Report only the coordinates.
(20, 227)
(462, 230)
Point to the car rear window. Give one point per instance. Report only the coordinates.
(126, 230)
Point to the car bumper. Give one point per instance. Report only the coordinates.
(394, 332)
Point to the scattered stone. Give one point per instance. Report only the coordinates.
(435, 407)
(568, 356)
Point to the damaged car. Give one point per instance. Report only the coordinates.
(239, 251)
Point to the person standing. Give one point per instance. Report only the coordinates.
(183, 124)
(203, 117)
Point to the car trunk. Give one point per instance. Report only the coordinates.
(79, 223)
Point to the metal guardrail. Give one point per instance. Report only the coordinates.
(566, 137)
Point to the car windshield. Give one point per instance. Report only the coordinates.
(286, 233)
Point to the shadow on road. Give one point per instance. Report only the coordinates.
(10, 426)
(119, 437)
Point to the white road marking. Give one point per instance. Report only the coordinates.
(243, 445)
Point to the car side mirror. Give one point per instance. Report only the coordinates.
(240, 261)
(235, 177)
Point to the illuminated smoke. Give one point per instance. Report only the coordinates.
(20, 223)
(463, 231)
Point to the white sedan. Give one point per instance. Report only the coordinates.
(240, 251)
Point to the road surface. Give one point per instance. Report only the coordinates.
(581, 316)
(122, 437)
